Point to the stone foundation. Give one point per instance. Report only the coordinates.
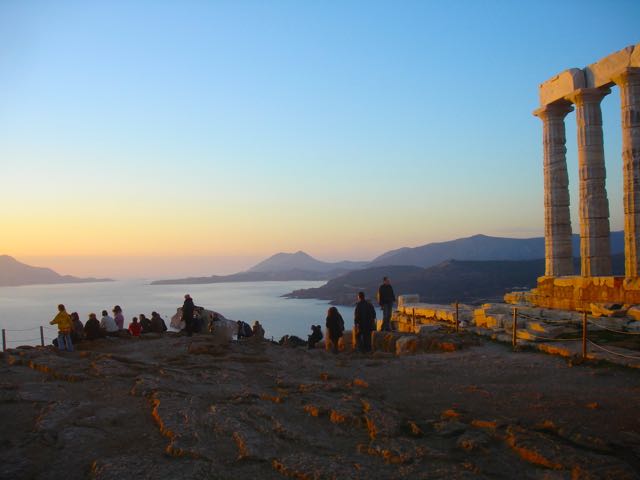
(578, 293)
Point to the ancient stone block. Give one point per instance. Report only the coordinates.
(407, 298)
(563, 84)
(600, 73)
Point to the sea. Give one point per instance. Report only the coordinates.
(24, 309)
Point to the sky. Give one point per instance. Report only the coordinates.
(170, 138)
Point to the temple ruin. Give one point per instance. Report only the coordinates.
(583, 90)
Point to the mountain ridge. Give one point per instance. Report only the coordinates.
(14, 273)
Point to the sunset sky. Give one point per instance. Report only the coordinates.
(159, 138)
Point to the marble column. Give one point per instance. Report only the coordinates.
(595, 248)
(557, 219)
(629, 83)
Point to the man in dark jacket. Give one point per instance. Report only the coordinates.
(364, 318)
(187, 314)
(386, 297)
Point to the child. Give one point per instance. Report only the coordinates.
(134, 327)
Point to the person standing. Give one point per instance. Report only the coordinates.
(65, 325)
(187, 314)
(364, 318)
(335, 326)
(386, 298)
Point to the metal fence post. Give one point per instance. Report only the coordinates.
(514, 340)
(584, 336)
(41, 336)
(457, 318)
(4, 340)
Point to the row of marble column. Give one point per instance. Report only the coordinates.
(595, 248)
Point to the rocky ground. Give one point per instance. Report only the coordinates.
(178, 407)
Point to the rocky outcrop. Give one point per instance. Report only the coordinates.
(179, 407)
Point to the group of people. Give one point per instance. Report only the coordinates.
(194, 322)
(364, 319)
(71, 330)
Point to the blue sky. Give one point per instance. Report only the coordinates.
(340, 128)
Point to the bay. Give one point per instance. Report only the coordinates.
(28, 307)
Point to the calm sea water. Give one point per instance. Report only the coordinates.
(31, 306)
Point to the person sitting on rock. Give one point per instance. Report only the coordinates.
(77, 333)
(258, 331)
(118, 317)
(315, 337)
(157, 323)
(145, 323)
(244, 330)
(108, 324)
(92, 330)
(134, 327)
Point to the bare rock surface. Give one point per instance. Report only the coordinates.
(179, 407)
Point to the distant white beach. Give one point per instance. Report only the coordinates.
(27, 308)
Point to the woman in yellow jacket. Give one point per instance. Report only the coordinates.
(65, 325)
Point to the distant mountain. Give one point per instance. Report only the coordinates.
(279, 267)
(14, 273)
(479, 247)
(452, 280)
(302, 261)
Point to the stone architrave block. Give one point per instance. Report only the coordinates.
(634, 61)
(600, 73)
(563, 84)
(408, 298)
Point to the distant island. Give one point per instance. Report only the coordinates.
(279, 267)
(300, 266)
(15, 274)
(464, 281)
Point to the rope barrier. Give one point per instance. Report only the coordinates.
(633, 357)
(552, 339)
(24, 340)
(21, 329)
(546, 320)
(612, 330)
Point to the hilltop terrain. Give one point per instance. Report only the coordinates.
(178, 407)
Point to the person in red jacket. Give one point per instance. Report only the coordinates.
(134, 327)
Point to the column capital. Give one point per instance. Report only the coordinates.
(630, 76)
(558, 110)
(583, 96)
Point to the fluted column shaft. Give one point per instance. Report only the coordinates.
(629, 83)
(595, 248)
(557, 218)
